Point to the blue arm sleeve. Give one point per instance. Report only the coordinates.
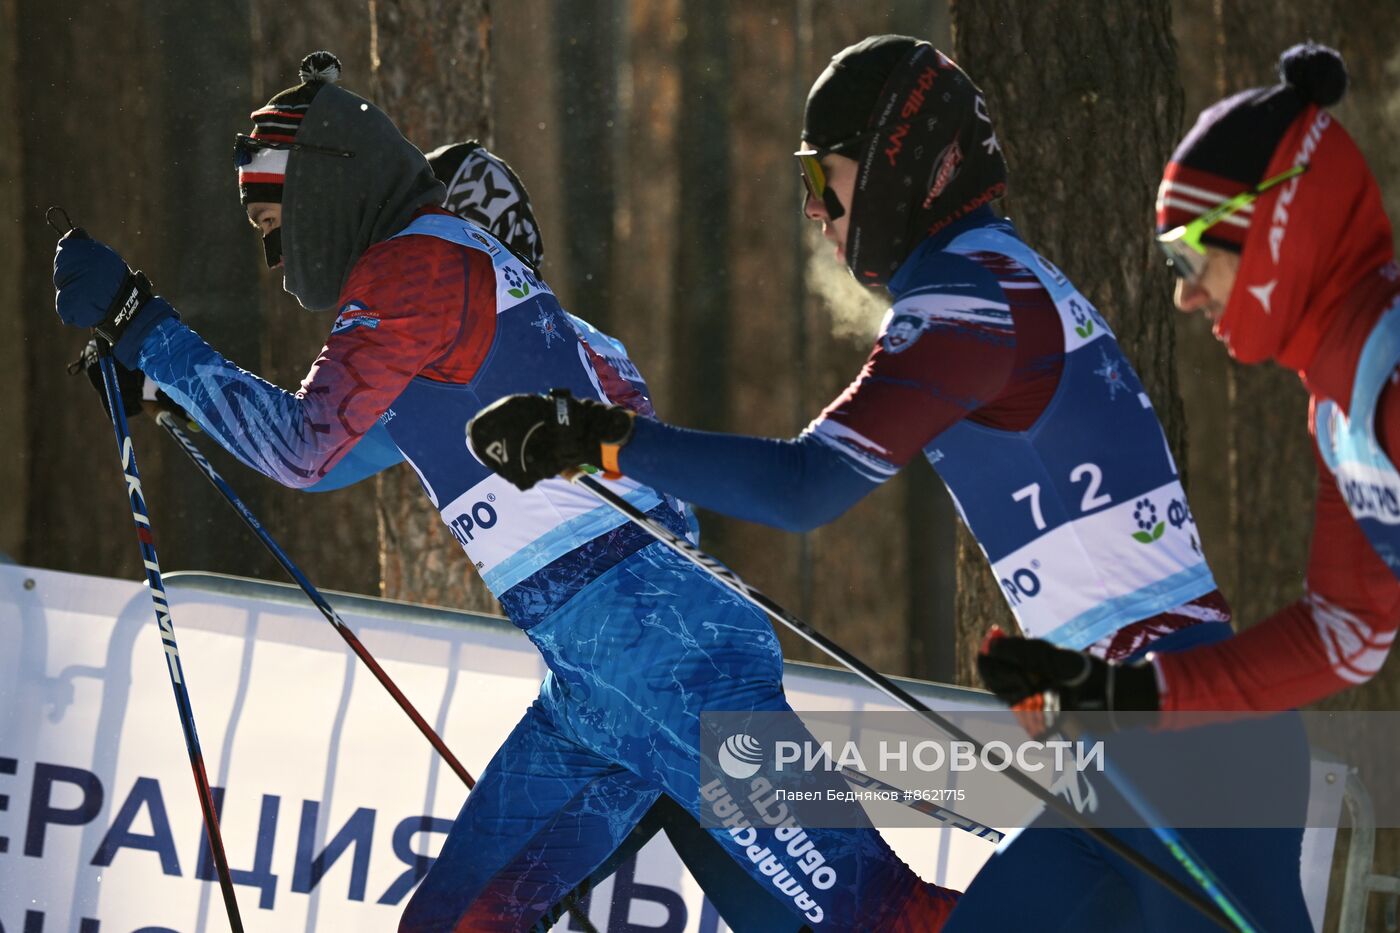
(372, 453)
(794, 485)
(264, 426)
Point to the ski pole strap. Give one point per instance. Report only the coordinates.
(610, 454)
(130, 298)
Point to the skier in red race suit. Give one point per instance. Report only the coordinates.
(1275, 227)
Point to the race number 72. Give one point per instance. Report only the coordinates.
(1091, 500)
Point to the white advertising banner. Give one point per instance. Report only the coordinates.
(333, 804)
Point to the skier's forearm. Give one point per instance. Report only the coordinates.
(267, 428)
(374, 452)
(794, 485)
(1280, 663)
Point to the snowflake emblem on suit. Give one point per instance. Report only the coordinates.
(1111, 375)
(548, 325)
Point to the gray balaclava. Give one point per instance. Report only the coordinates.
(333, 207)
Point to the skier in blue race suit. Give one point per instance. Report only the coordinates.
(994, 367)
(434, 319)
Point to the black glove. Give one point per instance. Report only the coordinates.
(529, 438)
(1035, 676)
(136, 387)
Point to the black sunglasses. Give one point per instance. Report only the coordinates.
(245, 147)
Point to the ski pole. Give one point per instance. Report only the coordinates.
(168, 421)
(1219, 909)
(167, 635)
(1185, 856)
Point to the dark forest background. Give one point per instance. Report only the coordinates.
(655, 138)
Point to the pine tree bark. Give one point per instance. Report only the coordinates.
(524, 124)
(870, 579)
(334, 536)
(73, 123)
(1095, 111)
(585, 48)
(649, 228)
(1272, 474)
(1370, 41)
(432, 67)
(699, 387)
(14, 413)
(763, 316)
(205, 259)
(1203, 367)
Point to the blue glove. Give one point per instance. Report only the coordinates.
(96, 289)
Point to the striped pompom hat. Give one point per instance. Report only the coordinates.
(265, 174)
(1233, 141)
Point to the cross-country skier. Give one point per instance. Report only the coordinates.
(1008, 380)
(1274, 225)
(481, 187)
(435, 317)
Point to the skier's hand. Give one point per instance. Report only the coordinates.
(529, 438)
(97, 289)
(139, 391)
(1039, 680)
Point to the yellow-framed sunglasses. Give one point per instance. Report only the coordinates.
(809, 160)
(1186, 254)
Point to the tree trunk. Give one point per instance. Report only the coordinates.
(763, 317)
(1096, 110)
(432, 76)
(869, 580)
(585, 47)
(1272, 476)
(1370, 40)
(699, 386)
(1202, 365)
(14, 370)
(204, 258)
(524, 124)
(648, 226)
(931, 519)
(76, 121)
(292, 337)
